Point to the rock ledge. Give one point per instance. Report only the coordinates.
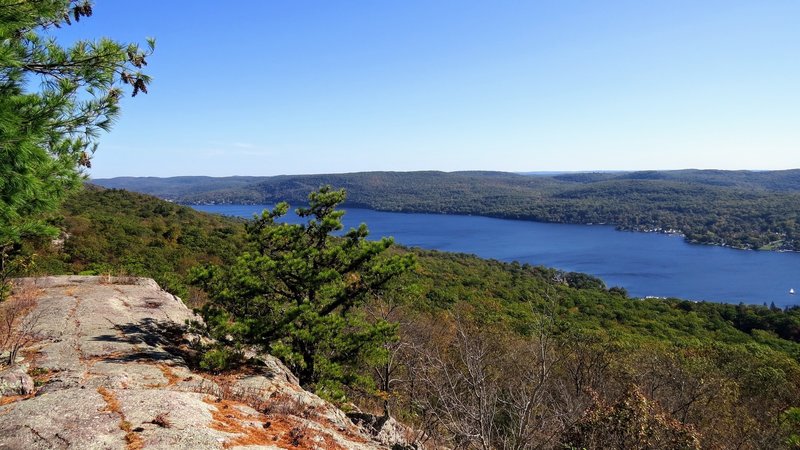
(108, 372)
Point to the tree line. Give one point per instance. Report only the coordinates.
(560, 356)
(474, 353)
(752, 210)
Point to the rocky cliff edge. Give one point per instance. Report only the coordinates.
(106, 368)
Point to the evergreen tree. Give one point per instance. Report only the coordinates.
(297, 290)
(54, 101)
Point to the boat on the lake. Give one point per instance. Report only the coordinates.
(791, 291)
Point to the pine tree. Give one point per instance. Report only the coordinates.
(296, 293)
(54, 102)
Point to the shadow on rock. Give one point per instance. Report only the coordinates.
(170, 342)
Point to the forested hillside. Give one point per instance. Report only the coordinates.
(423, 349)
(754, 210)
(175, 188)
(581, 356)
(120, 232)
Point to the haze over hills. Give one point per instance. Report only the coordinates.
(745, 209)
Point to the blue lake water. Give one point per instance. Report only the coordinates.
(646, 264)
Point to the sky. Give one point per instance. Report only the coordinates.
(297, 86)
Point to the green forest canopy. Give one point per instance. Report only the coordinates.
(729, 352)
(755, 210)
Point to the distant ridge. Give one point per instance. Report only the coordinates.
(744, 209)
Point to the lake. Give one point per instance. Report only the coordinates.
(646, 264)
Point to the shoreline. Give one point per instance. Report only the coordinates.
(658, 230)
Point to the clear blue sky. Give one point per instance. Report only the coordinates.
(286, 87)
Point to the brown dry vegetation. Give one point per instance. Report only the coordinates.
(41, 376)
(466, 386)
(280, 430)
(18, 326)
(172, 379)
(133, 441)
(285, 420)
(13, 398)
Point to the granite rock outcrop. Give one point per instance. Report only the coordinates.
(109, 368)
